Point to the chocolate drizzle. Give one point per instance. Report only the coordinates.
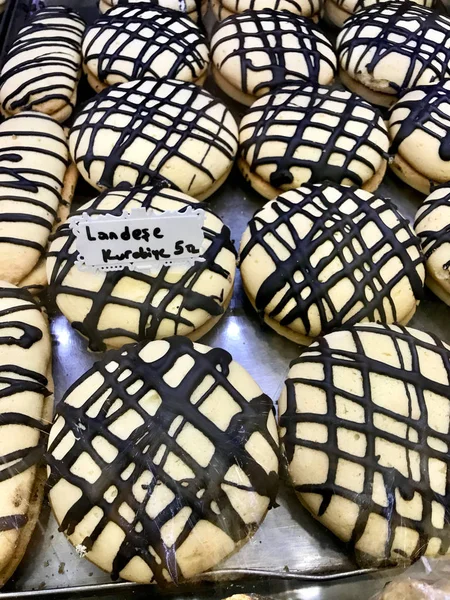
(306, 8)
(28, 182)
(177, 5)
(334, 218)
(46, 56)
(412, 354)
(171, 45)
(439, 235)
(152, 313)
(430, 114)
(16, 380)
(363, 4)
(288, 118)
(162, 120)
(279, 35)
(403, 28)
(144, 444)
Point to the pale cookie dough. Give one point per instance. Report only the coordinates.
(163, 460)
(257, 50)
(364, 421)
(419, 128)
(307, 133)
(391, 47)
(415, 589)
(433, 228)
(42, 68)
(337, 11)
(139, 41)
(34, 171)
(305, 8)
(194, 9)
(325, 255)
(2, 6)
(133, 130)
(117, 307)
(25, 411)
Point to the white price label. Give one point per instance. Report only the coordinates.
(140, 239)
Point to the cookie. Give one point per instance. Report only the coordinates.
(364, 421)
(391, 47)
(325, 255)
(175, 129)
(139, 41)
(163, 460)
(194, 9)
(416, 589)
(432, 225)
(25, 409)
(304, 8)
(419, 128)
(338, 11)
(307, 133)
(42, 68)
(117, 307)
(258, 50)
(34, 171)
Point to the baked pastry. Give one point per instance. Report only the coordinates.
(112, 308)
(163, 460)
(143, 40)
(305, 8)
(433, 228)
(416, 589)
(258, 50)
(35, 184)
(194, 9)
(364, 421)
(42, 68)
(325, 255)
(419, 127)
(25, 409)
(391, 47)
(338, 11)
(175, 129)
(2, 6)
(307, 133)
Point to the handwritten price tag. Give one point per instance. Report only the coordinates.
(141, 239)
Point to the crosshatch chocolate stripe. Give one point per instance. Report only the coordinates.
(432, 240)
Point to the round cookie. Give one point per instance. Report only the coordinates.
(307, 133)
(139, 41)
(194, 9)
(338, 11)
(41, 70)
(325, 255)
(257, 50)
(163, 460)
(364, 422)
(432, 225)
(419, 128)
(391, 47)
(175, 129)
(112, 308)
(305, 8)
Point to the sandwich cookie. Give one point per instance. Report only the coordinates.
(26, 406)
(42, 68)
(258, 50)
(304, 8)
(433, 228)
(36, 188)
(163, 460)
(144, 40)
(325, 255)
(364, 422)
(338, 11)
(134, 130)
(194, 9)
(117, 307)
(391, 47)
(308, 133)
(419, 127)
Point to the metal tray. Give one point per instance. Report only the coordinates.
(290, 547)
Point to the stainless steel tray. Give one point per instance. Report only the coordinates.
(290, 545)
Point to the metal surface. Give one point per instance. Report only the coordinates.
(290, 547)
